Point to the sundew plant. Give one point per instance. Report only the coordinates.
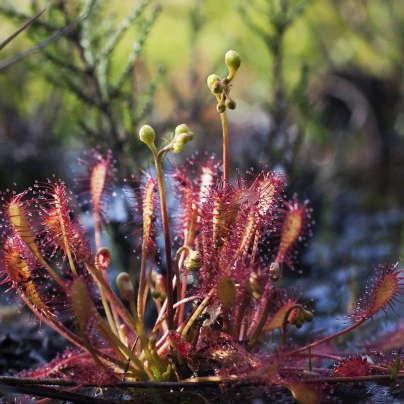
(233, 240)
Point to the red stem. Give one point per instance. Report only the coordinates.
(326, 339)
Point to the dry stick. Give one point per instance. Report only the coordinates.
(49, 400)
(225, 129)
(33, 381)
(56, 393)
(128, 362)
(207, 381)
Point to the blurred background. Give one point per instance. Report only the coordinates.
(320, 97)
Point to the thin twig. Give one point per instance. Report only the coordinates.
(22, 28)
(14, 59)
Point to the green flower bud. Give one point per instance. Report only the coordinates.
(181, 129)
(125, 286)
(177, 147)
(233, 61)
(217, 87)
(220, 107)
(212, 80)
(156, 293)
(147, 135)
(193, 261)
(180, 140)
(308, 315)
(230, 104)
(298, 323)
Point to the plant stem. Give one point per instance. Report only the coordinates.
(158, 157)
(148, 281)
(117, 345)
(142, 283)
(178, 255)
(97, 231)
(326, 339)
(156, 366)
(322, 355)
(260, 325)
(48, 268)
(57, 326)
(58, 208)
(238, 317)
(125, 315)
(226, 320)
(225, 129)
(162, 314)
(196, 313)
(285, 322)
(107, 309)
